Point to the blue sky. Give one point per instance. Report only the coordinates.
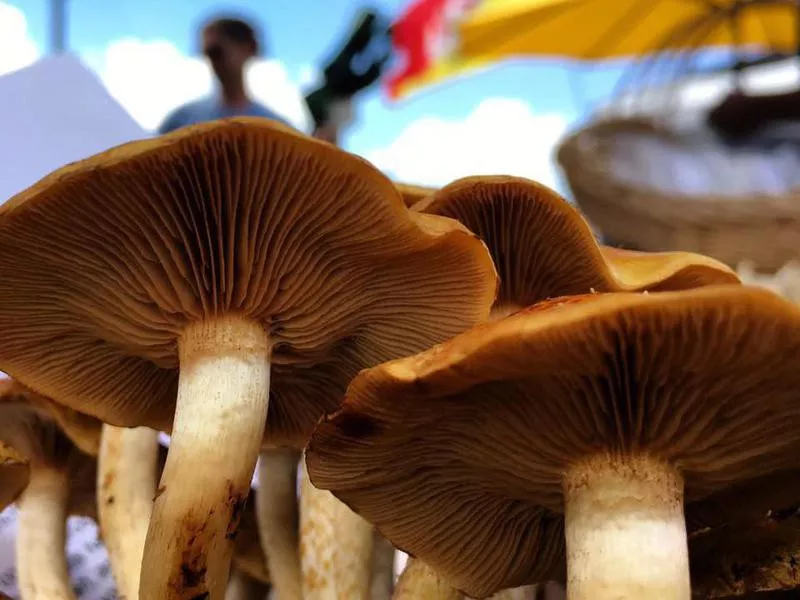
(303, 32)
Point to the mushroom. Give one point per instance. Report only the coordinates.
(588, 418)
(57, 481)
(128, 467)
(413, 193)
(188, 282)
(543, 247)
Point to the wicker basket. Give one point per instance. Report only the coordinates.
(762, 229)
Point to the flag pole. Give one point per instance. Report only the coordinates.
(58, 26)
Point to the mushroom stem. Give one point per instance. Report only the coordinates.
(625, 530)
(220, 415)
(382, 583)
(336, 547)
(277, 512)
(127, 471)
(42, 536)
(354, 540)
(419, 582)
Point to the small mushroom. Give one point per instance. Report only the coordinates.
(543, 247)
(128, 467)
(589, 419)
(194, 282)
(57, 482)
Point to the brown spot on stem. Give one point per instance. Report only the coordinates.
(191, 576)
(236, 502)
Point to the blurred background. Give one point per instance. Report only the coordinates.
(673, 124)
(504, 115)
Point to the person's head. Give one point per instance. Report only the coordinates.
(229, 43)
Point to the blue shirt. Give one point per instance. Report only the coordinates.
(210, 109)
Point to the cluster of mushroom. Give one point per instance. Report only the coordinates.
(465, 370)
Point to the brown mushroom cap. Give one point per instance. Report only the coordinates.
(27, 426)
(413, 193)
(105, 262)
(543, 247)
(488, 422)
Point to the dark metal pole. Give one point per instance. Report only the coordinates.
(58, 26)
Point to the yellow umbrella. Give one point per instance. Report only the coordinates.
(604, 29)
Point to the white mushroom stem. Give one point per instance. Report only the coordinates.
(354, 541)
(335, 547)
(382, 582)
(277, 513)
(419, 582)
(41, 537)
(127, 472)
(220, 416)
(625, 530)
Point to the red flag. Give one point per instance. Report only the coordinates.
(422, 37)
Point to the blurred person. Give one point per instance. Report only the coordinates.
(229, 44)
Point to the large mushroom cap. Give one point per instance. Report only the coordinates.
(106, 261)
(544, 248)
(488, 423)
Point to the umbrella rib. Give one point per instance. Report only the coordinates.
(686, 31)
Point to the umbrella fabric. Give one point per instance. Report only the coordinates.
(608, 29)
(423, 45)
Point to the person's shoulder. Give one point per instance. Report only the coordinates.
(186, 114)
(261, 110)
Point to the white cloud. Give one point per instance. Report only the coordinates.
(151, 77)
(17, 49)
(501, 136)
